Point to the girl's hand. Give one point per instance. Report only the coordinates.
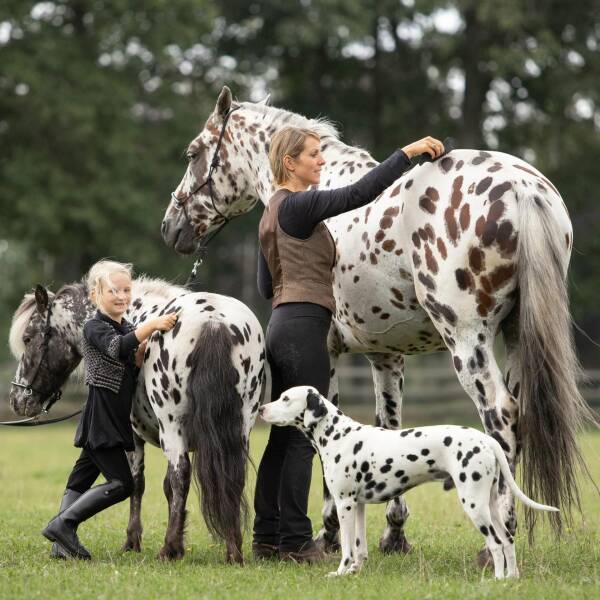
(165, 323)
(139, 353)
(428, 144)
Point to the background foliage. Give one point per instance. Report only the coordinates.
(98, 98)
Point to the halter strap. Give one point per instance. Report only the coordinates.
(181, 203)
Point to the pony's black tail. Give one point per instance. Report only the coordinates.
(216, 436)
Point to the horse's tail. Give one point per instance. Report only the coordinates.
(552, 410)
(216, 436)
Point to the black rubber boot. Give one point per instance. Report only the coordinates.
(63, 528)
(69, 497)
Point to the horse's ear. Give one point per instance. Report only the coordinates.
(223, 102)
(265, 100)
(41, 298)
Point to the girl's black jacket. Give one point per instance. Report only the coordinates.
(110, 372)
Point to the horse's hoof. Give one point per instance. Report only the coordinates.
(167, 553)
(327, 543)
(394, 544)
(132, 546)
(483, 560)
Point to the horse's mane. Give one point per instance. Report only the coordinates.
(20, 321)
(279, 117)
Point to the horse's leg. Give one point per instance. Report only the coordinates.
(512, 381)
(176, 486)
(328, 537)
(388, 377)
(482, 379)
(134, 527)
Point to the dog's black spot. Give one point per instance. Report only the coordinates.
(462, 477)
(364, 467)
(447, 440)
(476, 476)
(412, 457)
(357, 447)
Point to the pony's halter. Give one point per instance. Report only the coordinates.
(181, 202)
(28, 387)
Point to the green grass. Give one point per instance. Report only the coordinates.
(34, 465)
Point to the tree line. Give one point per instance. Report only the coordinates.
(98, 100)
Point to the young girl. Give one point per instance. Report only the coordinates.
(111, 349)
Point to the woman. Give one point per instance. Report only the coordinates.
(295, 260)
(112, 348)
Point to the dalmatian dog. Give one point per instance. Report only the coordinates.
(371, 465)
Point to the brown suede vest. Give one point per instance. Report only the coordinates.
(300, 269)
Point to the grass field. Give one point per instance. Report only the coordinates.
(34, 465)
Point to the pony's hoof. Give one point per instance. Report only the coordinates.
(394, 544)
(131, 545)
(327, 543)
(483, 560)
(234, 558)
(169, 554)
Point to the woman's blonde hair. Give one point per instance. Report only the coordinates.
(98, 276)
(288, 141)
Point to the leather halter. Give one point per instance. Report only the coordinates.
(29, 389)
(180, 203)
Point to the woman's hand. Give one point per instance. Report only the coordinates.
(428, 144)
(139, 353)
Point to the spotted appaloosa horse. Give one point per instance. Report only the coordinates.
(198, 391)
(450, 255)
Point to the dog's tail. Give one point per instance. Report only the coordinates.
(510, 480)
(216, 434)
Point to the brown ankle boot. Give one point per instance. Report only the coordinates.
(264, 551)
(308, 553)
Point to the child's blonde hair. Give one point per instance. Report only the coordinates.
(290, 141)
(98, 276)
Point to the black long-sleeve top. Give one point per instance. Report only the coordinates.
(301, 212)
(105, 421)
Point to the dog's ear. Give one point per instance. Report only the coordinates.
(315, 409)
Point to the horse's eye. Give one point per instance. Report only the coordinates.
(191, 156)
(26, 340)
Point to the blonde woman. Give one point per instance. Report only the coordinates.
(112, 347)
(294, 269)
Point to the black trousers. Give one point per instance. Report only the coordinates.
(111, 462)
(297, 354)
